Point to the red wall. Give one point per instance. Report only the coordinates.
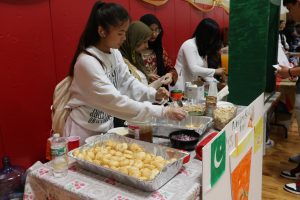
(27, 78)
(38, 39)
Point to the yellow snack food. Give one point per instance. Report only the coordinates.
(129, 159)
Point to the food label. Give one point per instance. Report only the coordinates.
(211, 101)
(137, 134)
(58, 151)
(134, 131)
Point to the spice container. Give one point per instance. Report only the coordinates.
(211, 99)
(176, 95)
(140, 131)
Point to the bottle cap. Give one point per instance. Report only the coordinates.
(213, 90)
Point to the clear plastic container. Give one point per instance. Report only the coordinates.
(59, 150)
(140, 131)
(224, 59)
(10, 179)
(211, 99)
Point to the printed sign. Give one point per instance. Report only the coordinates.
(258, 134)
(240, 178)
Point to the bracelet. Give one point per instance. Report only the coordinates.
(290, 72)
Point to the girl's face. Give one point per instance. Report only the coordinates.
(115, 37)
(155, 32)
(142, 46)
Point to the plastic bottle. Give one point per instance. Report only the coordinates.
(211, 99)
(59, 162)
(11, 180)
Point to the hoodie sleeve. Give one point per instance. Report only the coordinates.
(93, 87)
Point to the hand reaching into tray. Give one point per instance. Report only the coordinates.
(162, 94)
(174, 113)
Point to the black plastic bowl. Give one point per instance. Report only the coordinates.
(184, 139)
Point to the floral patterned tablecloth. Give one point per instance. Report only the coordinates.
(82, 184)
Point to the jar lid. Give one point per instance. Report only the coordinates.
(133, 127)
(176, 91)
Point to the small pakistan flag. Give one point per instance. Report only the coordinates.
(218, 158)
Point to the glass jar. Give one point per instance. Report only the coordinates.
(211, 99)
(140, 131)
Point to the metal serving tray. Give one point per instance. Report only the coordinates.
(167, 173)
(191, 122)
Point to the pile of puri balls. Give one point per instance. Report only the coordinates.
(130, 159)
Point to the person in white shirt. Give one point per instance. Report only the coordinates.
(102, 86)
(192, 57)
(286, 72)
(282, 37)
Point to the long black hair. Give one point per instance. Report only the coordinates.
(104, 15)
(156, 45)
(208, 37)
(289, 1)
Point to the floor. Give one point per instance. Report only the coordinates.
(276, 160)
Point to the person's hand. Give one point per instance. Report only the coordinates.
(153, 77)
(293, 78)
(174, 113)
(282, 72)
(162, 94)
(219, 71)
(167, 79)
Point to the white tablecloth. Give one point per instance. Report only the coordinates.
(82, 184)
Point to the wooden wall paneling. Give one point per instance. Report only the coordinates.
(27, 70)
(139, 8)
(166, 15)
(38, 38)
(196, 17)
(124, 3)
(68, 21)
(225, 30)
(219, 17)
(225, 19)
(1, 147)
(182, 24)
(209, 14)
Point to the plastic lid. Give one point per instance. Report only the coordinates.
(176, 91)
(56, 135)
(213, 90)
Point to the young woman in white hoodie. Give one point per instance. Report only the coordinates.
(102, 86)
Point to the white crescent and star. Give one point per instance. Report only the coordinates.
(217, 163)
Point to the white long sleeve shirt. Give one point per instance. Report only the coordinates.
(100, 92)
(190, 65)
